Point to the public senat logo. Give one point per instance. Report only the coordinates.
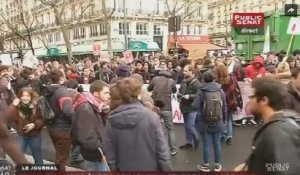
(248, 20)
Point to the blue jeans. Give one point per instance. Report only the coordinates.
(168, 121)
(229, 125)
(191, 133)
(216, 141)
(35, 145)
(95, 166)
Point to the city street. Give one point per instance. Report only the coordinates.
(188, 160)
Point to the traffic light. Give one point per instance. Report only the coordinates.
(174, 23)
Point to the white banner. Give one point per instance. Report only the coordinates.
(294, 26)
(176, 113)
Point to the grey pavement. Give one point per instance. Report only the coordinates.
(187, 160)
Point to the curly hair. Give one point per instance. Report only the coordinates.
(34, 96)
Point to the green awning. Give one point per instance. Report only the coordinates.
(40, 52)
(143, 46)
(82, 49)
(54, 51)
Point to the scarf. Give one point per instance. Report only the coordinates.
(26, 110)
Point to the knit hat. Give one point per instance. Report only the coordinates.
(123, 71)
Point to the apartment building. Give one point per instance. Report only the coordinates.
(220, 14)
(146, 24)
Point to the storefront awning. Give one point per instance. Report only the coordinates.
(82, 49)
(143, 46)
(197, 51)
(116, 46)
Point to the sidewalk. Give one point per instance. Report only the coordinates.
(30, 160)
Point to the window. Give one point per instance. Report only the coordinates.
(157, 29)
(103, 29)
(50, 38)
(122, 28)
(140, 6)
(199, 30)
(141, 29)
(57, 37)
(188, 29)
(157, 7)
(79, 33)
(199, 11)
(49, 18)
(94, 31)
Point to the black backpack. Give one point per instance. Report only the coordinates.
(212, 106)
(46, 110)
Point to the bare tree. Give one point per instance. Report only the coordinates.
(65, 24)
(107, 16)
(22, 27)
(175, 7)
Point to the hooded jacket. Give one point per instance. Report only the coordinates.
(293, 99)
(135, 140)
(252, 72)
(60, 100)
(198, 103)
(88, 127)
(163, 87)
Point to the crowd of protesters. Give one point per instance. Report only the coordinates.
(117, 124)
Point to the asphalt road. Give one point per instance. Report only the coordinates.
(187, 160)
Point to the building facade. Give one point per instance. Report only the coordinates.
(146, 21)
(220, 14)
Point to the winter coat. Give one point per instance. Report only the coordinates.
(191, 88)
(277, 142)
(60, 99)
(233, 94)
(293, 99)
(15, 115)
(163, 87)
(135, 140)
(252, 72)
(198, 104)
(88, 128)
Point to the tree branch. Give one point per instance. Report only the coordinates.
(189, 14)
(168, 7)
(113, 10)
(186, 4)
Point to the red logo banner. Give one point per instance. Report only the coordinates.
(248, 20)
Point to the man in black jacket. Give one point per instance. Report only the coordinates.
(59, 129)
(294, 91)
(163, 87)
(276, 146)
(88, 124)
(187, 93)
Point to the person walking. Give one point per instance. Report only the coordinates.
(135, 140)
(88, 125)
(162, 87)
(187, 93)
(212, 104)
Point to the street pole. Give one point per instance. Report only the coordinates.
(175, 35)
(125, 26)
